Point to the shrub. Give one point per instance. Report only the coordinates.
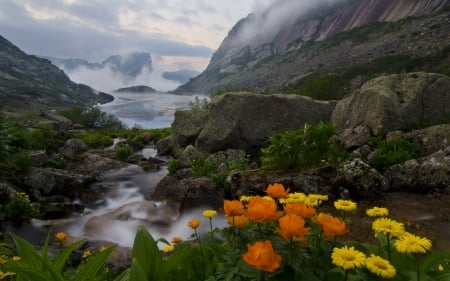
(322, 87)
(199, 104)
(92, 118)
(173, 166)
(302, 149)
(95, 139)
(393, 151)
(123, 152)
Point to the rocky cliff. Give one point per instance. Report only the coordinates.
(31, 83)
(279, 46)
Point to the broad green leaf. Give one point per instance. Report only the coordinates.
(136, 271)
(432, 260)
(29, 273)
(27, 252)
(61, 259)
(146, 252)
(93, 265)
(124, 276)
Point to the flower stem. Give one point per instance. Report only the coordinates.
(211, 228)
(388, 241)
(346, 275)
(418, 269)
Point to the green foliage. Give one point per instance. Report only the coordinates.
(96, 139)
(173, 166)
(199, 104)
(201, 167)
(302, 149)
(393, 151)
(22, 162)
(322, 87)
(92, 118)
(40, 267)
(123, 152)
(18, 209)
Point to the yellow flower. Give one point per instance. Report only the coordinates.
(245, 199)
(380, 267)
(409, 243)
(209, 213)
(102, 248)
(194, 223)
(168, 248)
(345, 205)
(177, 240)
(276, 190)
(87, 254)
(262, 256)
(16, 258)
(2, 259)
(5, 274)
(296, 197)
(440, 267)
(388, 226)
(377, 212)
(61, 237)
(348, 258)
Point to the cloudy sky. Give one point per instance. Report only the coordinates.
(182, 33)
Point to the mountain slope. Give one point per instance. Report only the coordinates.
(31, 83)
(261, 53)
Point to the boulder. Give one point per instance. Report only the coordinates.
(45, 181)
(361, 180)
(421, 175)
(189, 192)
(187, 125)
(431, 139)
(245, 120)
(72, 148)
(395, 102)
(163, 146)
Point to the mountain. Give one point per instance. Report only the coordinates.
(128, 66)
(31, 83)
(281, 46)
(181, 76)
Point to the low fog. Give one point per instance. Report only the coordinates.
(106, 80)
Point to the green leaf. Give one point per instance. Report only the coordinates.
(93, 265)
(432, 260)
(29, 273)
(61, 259)
(146, 252)
(136, 272)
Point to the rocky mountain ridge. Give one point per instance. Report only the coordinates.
(328, 38)
(31, 83)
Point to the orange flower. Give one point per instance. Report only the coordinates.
(331, 226)
(262, 256)
(299, 209)
(292, 226)
(233, 208)
(176, 240)
(239, 221)
(276, 190)
(260, 210)
(61, 237)
(194, 223)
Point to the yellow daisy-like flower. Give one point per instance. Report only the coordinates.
(245, 199)
(87, 254)
(388, 226)
(345, 205)
(16, 258)
(194, 223)
(409, 243)
(209, 213)
(380, 267)
(268, 198)
(102, 248)
(296, 197)
(168, 248)
(377, 212)
(348, 258)
(440, 267)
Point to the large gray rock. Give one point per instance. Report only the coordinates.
(245, 121)
(187, 126)
(431, 139)
(422, 174)
(396, 102)
(73, 148)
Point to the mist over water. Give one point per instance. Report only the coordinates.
(148, 110)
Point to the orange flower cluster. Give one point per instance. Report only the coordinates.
(233, 208)
(300, 209)
(292, 226)
(262, 210)
(331, 226)
(262, 256)
(277, 190)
